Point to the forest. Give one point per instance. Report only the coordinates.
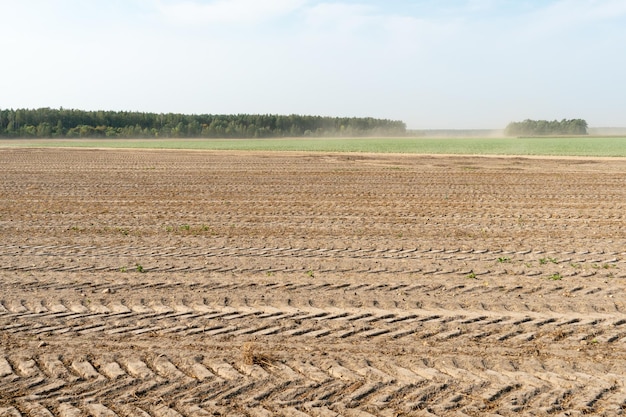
(71, 123)
(547, 128)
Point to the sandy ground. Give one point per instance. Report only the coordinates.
(169, 283)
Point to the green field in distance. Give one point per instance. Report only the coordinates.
(549, 146)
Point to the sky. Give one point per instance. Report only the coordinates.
(434, 64)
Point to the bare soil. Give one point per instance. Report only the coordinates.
(169, 283)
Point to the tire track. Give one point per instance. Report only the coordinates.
(501, 294)
(581, 256)
(118, 319)
(312, 387)
(267, 261)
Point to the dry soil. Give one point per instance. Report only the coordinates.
(169, 283)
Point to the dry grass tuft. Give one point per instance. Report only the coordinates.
(251, 356)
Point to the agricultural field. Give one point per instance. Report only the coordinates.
(603, 146)
(197, 283)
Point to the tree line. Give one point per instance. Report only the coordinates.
(70, 123)
(547, 128)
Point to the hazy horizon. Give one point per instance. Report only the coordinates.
(457, 64)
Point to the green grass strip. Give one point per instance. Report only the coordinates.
(560, 146)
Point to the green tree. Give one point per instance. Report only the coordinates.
(46, 122)
(44, 130)
(545, 128)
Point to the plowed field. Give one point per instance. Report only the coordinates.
(182, 283)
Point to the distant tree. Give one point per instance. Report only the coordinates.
(44, 130)
(46, 122)
(547, 128)
(58, 129)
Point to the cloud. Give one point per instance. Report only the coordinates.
(367, 24)
(227, 11)
(324, 14)
(564, 15)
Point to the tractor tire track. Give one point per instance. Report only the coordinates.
(449, 384)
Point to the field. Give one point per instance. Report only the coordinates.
(557, 146)
(202, 283)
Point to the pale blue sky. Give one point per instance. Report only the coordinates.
(430, 63)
